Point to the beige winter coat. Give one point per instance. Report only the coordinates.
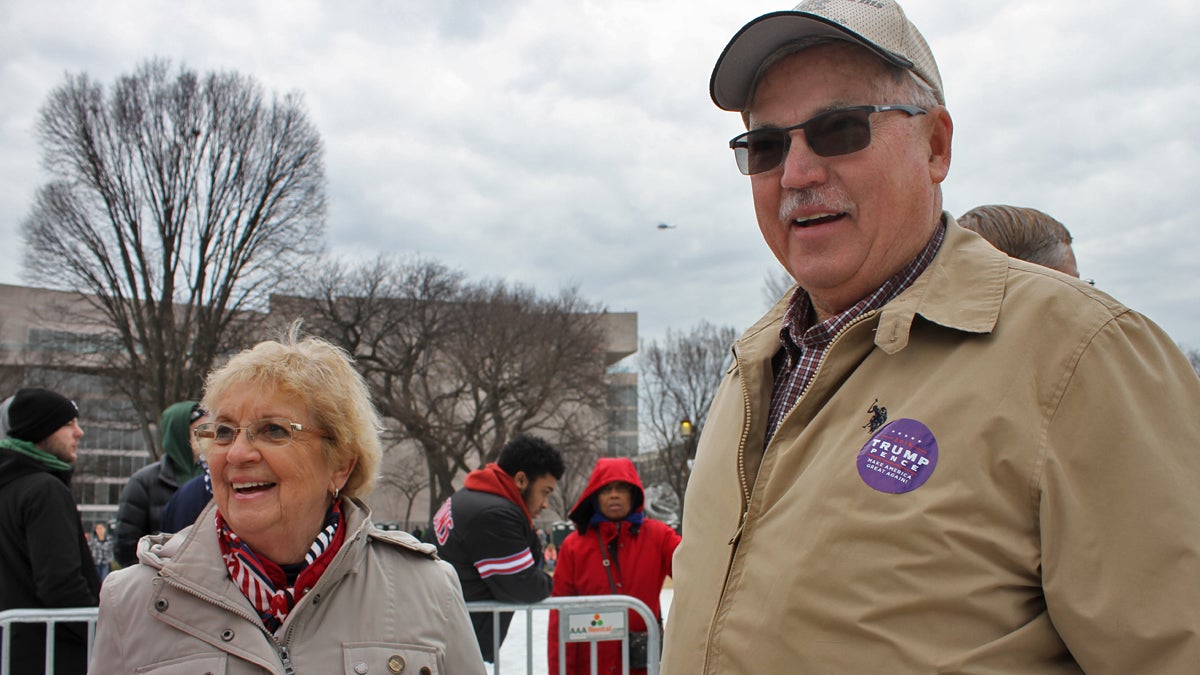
(384, 605)
(999, 472)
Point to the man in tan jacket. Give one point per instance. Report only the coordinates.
(931, 457)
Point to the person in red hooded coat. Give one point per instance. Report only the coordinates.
(610, 514)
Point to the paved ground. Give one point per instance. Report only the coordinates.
(512, 652)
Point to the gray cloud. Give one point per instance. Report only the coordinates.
(543, 141)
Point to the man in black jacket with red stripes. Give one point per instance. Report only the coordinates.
(486, 531)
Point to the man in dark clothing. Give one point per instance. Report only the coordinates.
(485, 530)
(148, 490)
(44, 558)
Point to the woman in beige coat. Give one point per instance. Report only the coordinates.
(284, 572)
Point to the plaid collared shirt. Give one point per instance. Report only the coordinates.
(796, 363)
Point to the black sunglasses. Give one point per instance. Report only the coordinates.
(832, 133)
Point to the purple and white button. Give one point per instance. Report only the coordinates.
(900, 457)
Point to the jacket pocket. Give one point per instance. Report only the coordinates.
(390, 658)
(204, 664)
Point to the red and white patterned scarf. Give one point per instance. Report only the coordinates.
(264, 582)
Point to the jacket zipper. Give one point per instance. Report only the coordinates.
(735, 540)
(280, 648)
(287, 662)
(329, 573)
(743, 482)
(741, 456)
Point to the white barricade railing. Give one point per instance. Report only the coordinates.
(593, 603)
(50, 618)
(596, 603)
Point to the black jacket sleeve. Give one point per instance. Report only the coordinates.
(133, 519)
(56, 548)
(507, 556)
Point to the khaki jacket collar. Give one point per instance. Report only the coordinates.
(962, 292)
(187, 560)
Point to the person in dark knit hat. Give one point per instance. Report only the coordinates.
(44, 558)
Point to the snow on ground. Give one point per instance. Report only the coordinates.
(513, 650)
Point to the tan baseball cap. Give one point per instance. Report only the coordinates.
(879, 25)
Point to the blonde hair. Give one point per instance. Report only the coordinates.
(321, 377)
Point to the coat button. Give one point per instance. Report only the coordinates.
(426, 671)
(317, 599)
(227, 634)
(161, 604)
(396, 664)
(360, 668)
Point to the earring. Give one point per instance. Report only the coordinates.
(336, 492)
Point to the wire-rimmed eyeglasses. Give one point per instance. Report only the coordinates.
(832, 133)
(272, 432)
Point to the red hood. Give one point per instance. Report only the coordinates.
(608, 469)
(492, 479)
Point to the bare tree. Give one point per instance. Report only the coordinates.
(461, 367)
(679, 380)
(581, 439)
(776, 284)
(13, 364)
(406, 475)
(176, 203)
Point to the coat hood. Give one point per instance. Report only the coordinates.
(494, 480)
(176, 438)
(608, 470)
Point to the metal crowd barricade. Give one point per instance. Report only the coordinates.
(49, 617)
(583, 603)
(590, 603)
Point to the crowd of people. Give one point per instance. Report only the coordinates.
(942, 451)
(280, 556)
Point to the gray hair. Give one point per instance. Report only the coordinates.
(1021, 232)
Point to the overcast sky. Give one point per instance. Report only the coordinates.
(543, 141)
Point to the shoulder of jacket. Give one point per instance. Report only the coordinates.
(41, 485)
(574, 539)
(403, 540)
(653, 524)
(476, 503)
(1074, 309)
(145, 476)
(37, 475)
